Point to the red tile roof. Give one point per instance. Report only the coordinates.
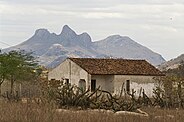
(97, 66)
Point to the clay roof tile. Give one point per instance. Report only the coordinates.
(96, 66)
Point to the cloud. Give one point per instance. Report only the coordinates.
(159, 21)
(93, 2)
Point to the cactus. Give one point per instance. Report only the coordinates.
(67, 95)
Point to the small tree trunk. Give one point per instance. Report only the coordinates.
(1, 82)
(179, 89)
(11, 87)
(0, 90)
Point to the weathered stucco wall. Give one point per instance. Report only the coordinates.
(136, 82)
(104, 81)
(24, 89)
(70, 70)
(6, 86)
(113, 83)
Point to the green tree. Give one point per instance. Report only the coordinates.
(3, 68)
(17, 66)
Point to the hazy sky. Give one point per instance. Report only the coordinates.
(156, 24)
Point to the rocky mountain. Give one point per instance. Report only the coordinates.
(172, 64)
(50, 48)
(125, 47)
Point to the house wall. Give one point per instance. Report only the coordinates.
(104, 81)
(70, 70)
(136, 82)
(6, 86)
(113, 83)
(24, 89)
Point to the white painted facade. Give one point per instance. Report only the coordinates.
(112, 83)
(71, 71)
(136, 82)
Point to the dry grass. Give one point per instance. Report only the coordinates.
(165, 115)
(19, 112)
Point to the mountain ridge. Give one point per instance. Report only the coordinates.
(51, 48)
(172, 64)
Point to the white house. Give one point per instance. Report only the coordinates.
(109, 74)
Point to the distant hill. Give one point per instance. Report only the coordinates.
(50, 48)
(172, 64)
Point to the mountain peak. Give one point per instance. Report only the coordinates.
(85, 36)
(66, 27)
(119, 37)
(67, 31)
(51, 48)
(41, 32)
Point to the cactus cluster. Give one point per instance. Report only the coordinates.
(67, 96)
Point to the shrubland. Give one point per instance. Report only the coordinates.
(59, 101)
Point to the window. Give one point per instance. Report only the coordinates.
(93, 85)
(82, 84)
(67, 81)
(128, 86)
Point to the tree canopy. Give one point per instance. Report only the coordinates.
(16, 66)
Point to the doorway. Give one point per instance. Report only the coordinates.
(93, 85)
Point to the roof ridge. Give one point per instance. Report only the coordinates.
(110, 59)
